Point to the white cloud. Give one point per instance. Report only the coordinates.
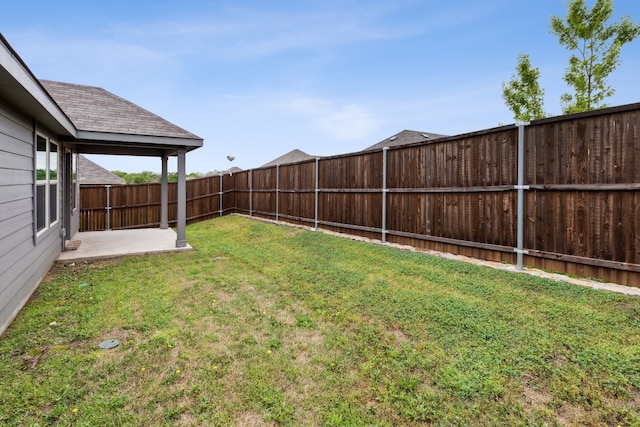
(83, 60)
(342, 121)
(247, 33)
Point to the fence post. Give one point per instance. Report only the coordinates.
(384, 194)
(108, 208)
(250, 192)
(520, 187)
(316, 191)
(277, 190)
(220, 194)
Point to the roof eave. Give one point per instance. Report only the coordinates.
(117, 143)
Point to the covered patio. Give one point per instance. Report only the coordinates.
(96, 245)
(110, 125)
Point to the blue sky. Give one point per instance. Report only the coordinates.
(258, 79)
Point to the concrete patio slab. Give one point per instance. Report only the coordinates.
(96, 245)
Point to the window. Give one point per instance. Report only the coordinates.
(47, 186)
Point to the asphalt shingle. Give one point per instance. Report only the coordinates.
(94, 109)
(92, 173)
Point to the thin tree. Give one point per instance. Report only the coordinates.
(522, 94)
(596, 48)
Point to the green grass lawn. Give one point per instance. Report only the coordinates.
(272, 325)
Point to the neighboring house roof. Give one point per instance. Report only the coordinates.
(405, 137)
(231, 170)
(292, 156)
(92, 173)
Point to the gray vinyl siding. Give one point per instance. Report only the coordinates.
(24, 259)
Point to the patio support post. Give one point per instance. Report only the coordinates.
(181, 242)
(164, 195)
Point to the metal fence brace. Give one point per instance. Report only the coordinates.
(384, 194)
(108, 208)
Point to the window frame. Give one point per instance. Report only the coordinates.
(42, 205)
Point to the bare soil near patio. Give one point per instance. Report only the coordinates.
(266, 325)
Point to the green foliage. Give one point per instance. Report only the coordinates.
(41, 174)
(272, 325)
(523, 94)
(148, 177)
(596, 48)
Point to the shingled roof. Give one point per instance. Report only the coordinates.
(94, 109)
(92, 173)
(231, 171)
(292, 156)
(405, 137)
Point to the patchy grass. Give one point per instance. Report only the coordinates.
(270, 325)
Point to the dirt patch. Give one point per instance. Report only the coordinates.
(187, 419)
(307, 343)
(535, 397)
(50, 275)
(561, 360)
(400, 336)
(77, 267)
(627, 304)
(221, 296)
(250, 419)
(285, 316)
(570, 415)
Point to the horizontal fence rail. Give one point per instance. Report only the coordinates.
(561, 194)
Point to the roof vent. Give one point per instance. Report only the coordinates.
(393, 138)
(425, 135)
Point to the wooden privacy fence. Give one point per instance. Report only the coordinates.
(119, 207)
(561, 194)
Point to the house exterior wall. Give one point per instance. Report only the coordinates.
(24, 257)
